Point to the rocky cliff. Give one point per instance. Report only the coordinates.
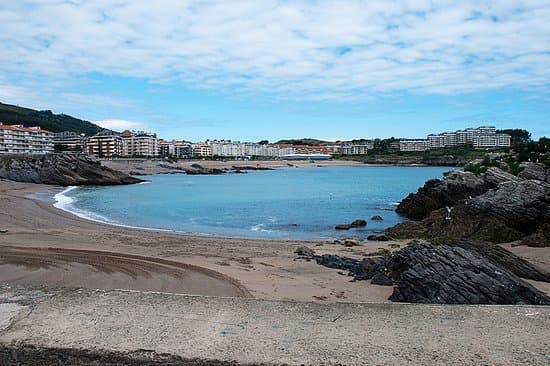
(495, 206)
(61, 169)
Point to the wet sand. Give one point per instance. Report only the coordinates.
(106, 257)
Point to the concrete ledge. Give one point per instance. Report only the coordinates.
(85, 327)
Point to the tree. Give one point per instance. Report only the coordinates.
(517, 134)
(263, 142)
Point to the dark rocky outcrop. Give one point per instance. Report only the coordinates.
(377, 218)
(61, 169)
(458, 272)
(444, 274)
(354, 224)
(436, 194)
(495, 206)
(378, 237)
(358, 223)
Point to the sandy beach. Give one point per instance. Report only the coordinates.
(46, 245)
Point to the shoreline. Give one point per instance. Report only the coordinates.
(266, 268)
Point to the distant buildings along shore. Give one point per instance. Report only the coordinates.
(480, 137)
(109, 144)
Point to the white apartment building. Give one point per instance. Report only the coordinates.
(354, 149)
(493, 140)
(414, 145)
(201, 149)
(480, 137)
(17, 139)
(105, 144)
(236, 149)
(139, 144)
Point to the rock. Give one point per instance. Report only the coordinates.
(381, 279)
(394, 246)
(513, 210)
(436, 194)
(61, 169)
(503, 258)
(358, 223)
(495, 176)
(380, 252)
(376, 218)
(534, 171)
(444, 274)
(304, 252)
(342, 227)
(379, 237)
(3, 231)
(351, 243)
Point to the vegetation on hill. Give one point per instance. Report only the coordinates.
(305, 141)
(11, 114)
(518, 135)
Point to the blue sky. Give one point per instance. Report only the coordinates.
(249, 70)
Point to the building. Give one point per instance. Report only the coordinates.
(178, 149)
(414, 145)
(17, 139)
(105, 144)
(201, 149)
(354, 149)
(480, 137)
(307, 149)
(70, 140)
(139, 144)
(307, 156)
(492, 140)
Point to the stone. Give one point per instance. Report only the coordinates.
(358, 223)
(61, 169)
(304, 252)
(379, 237)
(342, 227)
(377, 218)
(381, 279)
(447, 274)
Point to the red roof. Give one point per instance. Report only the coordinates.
(22, 128)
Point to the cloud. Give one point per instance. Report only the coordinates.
(120, 124)
(321, 50)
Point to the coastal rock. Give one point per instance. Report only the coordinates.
(512, 211)
(534, 171)
(358, 223)
(342, 227)
(61, 169)
(304, 252)
(379, 237)
(456, 272)
(436, 194)
(443, 274)
(376, 218)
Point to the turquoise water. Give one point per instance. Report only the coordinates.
(289, 203)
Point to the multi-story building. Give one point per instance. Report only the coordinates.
(139, 144)
(70, 140)
(414, 145)
(201, 149)
(17, 139)
(105, 144)
(354, 149)
(178, 149)
(492, 140)
(480, 137)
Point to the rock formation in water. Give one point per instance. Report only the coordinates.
(495, 206)
(61, 169)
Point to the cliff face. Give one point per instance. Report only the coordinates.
(495, 206)
(61, 169)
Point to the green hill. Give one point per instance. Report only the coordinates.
(12, 114)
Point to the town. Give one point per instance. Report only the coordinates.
(107, 144)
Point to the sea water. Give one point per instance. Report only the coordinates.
(286, 203)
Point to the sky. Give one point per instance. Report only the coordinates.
(253, 70)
